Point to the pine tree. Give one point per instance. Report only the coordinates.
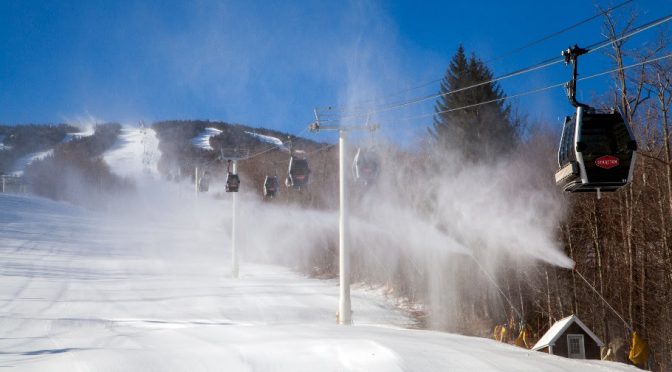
(480, 132)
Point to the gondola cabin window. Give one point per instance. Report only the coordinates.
(566, 153)
(601, 135)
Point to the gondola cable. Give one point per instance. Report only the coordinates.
(530, 91)
(541, 65)
(601, 13)
(535, 67)
(273, 147)
(503, 56)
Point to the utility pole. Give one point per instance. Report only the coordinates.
(235, 267)
(344, 305)
(344, 302)
(232, 156)
(196, 181)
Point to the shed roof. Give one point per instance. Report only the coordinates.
(557, 329)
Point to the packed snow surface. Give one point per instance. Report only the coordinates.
(203, 138)
(151, 291)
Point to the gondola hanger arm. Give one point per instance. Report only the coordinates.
(572, 57)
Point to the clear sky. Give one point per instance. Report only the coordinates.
(269, 63)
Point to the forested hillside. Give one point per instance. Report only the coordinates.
(21, 140)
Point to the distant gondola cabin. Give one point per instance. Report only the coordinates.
(298, 173)
(270, 186)
(570, 338)
(232, 182)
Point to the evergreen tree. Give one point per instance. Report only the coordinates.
(480, 132)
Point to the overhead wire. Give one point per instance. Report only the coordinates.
(534, 90)
(647, 26)
(539, 41)
(512, 52)
(538, 66)
(274, 147)
(541, 65)
(322, 148)
(549, 62)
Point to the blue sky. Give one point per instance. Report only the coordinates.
(269, 63)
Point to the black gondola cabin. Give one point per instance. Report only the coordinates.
(232, 182)
(298, 173)
(597, 152)
(270, 186)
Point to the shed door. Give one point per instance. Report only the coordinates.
(575, 347)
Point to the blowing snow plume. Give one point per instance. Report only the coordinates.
(445, 232)
(433, 229)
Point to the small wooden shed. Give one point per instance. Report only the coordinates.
(570, 338)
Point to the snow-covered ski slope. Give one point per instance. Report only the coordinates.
(269, 139)
(150, 291)
(136, 152)
(203, 139)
